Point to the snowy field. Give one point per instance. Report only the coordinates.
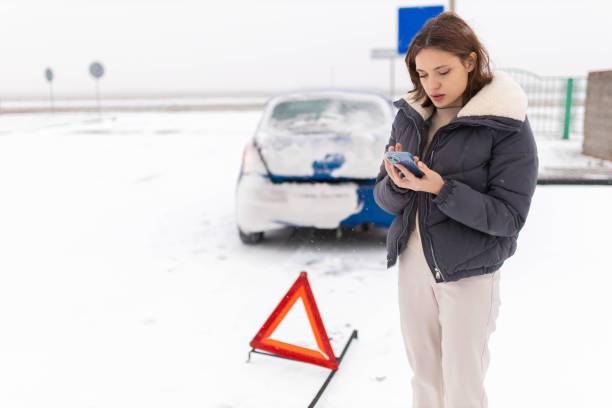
(124, 283)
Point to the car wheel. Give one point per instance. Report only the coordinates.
(250, 238)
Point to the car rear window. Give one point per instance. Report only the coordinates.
(326, 114)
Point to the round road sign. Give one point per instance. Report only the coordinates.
(96, 69)
(49, 74)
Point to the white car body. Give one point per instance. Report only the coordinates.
(305, 170)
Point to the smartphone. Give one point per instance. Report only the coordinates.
(405, 159)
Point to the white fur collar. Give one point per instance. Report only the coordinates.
(500, 97)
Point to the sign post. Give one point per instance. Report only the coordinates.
(391, 55)
(49, 78)
(97, 70)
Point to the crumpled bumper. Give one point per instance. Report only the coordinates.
(263, 205)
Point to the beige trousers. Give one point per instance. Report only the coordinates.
(446, 327)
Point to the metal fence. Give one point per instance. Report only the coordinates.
(555, 104)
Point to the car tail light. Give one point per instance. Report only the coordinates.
(252, 163)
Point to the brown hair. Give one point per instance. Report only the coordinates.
(449, 32)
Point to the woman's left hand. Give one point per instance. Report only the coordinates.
(431, 182)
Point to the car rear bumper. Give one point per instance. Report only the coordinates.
(263, 205)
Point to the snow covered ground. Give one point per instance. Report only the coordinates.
(123, 282)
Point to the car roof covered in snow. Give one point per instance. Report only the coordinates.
(348, 92)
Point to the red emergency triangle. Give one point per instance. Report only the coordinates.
(262, 340)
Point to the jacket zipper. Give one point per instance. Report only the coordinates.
(438, 271)
(439, 274)
(436, 268)
(405, 225)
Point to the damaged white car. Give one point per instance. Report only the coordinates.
(313, 162)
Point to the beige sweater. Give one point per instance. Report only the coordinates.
(440, 118)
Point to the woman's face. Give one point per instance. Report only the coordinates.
(442, 73)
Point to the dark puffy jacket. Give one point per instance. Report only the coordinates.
(488, 159)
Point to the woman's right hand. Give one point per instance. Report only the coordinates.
(392, 171)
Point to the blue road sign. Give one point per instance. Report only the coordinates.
(96, 69)
(49, 74)
(410, 21)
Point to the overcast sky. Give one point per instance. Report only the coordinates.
(203, 46)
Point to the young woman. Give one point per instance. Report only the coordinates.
(457, 224)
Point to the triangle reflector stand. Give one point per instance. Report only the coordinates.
(323, 357)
